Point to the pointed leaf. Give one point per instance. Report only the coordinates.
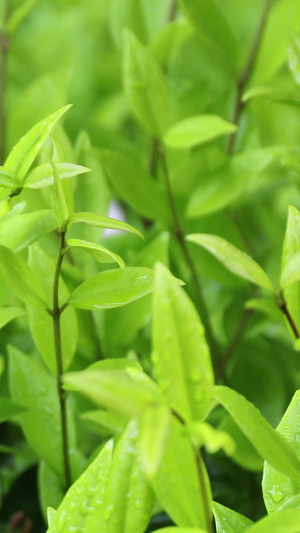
(291, 271)
(290, 264)
(146, 87)
(269, 444)
(283, 522)
(113, 288)
(181, 356)
(233, 259)
(101, 222)
(20, 278)
(25, 151)
(229, 520)
(154, 437)
(42, 176)
(10, 313)
(198, 130)
(8, 179)
(19, 231)
(277, 487)
(100, 253)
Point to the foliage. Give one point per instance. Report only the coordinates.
(149, 266)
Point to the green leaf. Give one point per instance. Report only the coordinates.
(293, 52)
(113, 423)
(180, 530)
(206, 16)
(245, 455)
(25, 151)
(19, 231)
(8, 179)
(10, 313)
(277, 487)
(290, 264)
(9, 409)
(101, 222)
(125, 392)
(135, 186)
(20, 278)
(42, 176)
(154, 437)
(19, 14)
(50, 489)
(176, 482)
(101, 254)
(59, 198)
(229, 520)
(32, 387)
(203, 434)
(186, 376)
(233, 259)
(145, 87)
(41, 322)
(269, 444)
(74, 510)
(283, 522)
(113, 288)
(197, 130)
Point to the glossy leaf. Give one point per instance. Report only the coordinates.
(25, 151)
(154, 437)
(32, 387)
(100, 253)
(20, 278)
(19, 231)
(180, 530)
(113, 288)
(42, 176)
(229, 520)
(233, 259)
(245, 455)
(277, 487)
(290, 264)
(283, 522)
(206, 16)
(125, 392)
(101, 222)
(41, 322)
(8, 179)
(176, 483)
(59, 199)
(9, 409)
(145, 87)
(269, 444)
(291, 271)
(135, 186)
(203, 434)
(181, 356)
(198, 130)
(10, 313)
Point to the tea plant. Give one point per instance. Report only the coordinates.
(142, 375)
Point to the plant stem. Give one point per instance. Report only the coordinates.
(173, 10)
(283, 306)
(246, 74)
(59, 362)
(3, 79)
(179, 234)
(154, 158)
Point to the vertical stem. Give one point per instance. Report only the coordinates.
(283, 306)
(173, 10)
(179, 234)
(59, 363)
(3, 79)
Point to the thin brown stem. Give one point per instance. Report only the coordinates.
(59, 363)
(283, 306)
(246, 74)
(173, 11)
(3, 79)
(179, 234)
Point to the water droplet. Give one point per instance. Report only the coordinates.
(276, 494)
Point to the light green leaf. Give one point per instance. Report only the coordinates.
(100, 253)
(290, 264)
(145, 87)
(32, 387)
(278, 488)
(9, 409)
(293, 52)
(206, 16)
(59, 196)
(181, 356)
(180, 530)
(10, 313)
(19, 14)
(8, 179)
(197, 130)
(25, 151)
(101, 222)
(42, 176)
(19, 231)
(154, 437)
(233, 259)
(269, 444)
(41, 322)
(125, 392)
(20, 278)
(135, 186)
(50, 489)
(203, 434)
(113, 288)
(176, 482)
(113, 423)
(229, 520)
(245, 455)
(283, 522)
